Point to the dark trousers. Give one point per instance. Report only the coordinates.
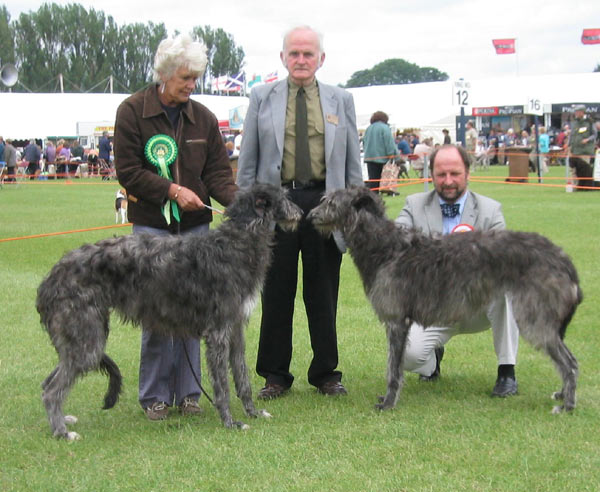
(583, 170)
(32, 169)
(321, 262)
(165, 374)
(374, 169)
(11, 173)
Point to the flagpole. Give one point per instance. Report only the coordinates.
(517, 56)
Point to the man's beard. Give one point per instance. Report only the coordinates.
(450, 193)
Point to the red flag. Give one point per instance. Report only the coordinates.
(590, 36)
(504, 46)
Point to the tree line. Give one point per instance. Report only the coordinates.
(87, 47)
(395, 71)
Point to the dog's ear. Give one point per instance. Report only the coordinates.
(366, 200)
(262, 203)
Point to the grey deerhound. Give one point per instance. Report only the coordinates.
(409, 277)
(188, 286)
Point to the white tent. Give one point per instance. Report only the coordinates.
(407, 105)
(24, 115)
(430, 107)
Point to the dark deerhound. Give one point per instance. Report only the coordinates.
(409, 277)
(189, 286)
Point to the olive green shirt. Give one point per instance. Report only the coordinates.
(582, 129)
(316, 133)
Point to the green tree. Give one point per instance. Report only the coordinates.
(395, 71)
(224, 57)
(135, 48)
(86, 47)
(7, 53)
(64, 40)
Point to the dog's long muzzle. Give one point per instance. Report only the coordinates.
(291, 219)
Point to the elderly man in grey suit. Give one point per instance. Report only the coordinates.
(301, 134)
(451, 207)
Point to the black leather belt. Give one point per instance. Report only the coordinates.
(310, 185)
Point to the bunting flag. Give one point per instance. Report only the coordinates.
(272, 77)
(235, 83)
(504, 46)
(219, 83)
(256, 80)
(590, 36)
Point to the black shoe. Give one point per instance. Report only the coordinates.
(505, 386)
(332, 388)
(272, 391)
(435, 375)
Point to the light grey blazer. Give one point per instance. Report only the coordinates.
(261, 153)
(422, 211)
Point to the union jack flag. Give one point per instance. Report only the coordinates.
(271, 77)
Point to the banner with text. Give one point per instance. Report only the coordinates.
(504, 46)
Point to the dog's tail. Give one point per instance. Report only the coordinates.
(115, 384)
(577, 298)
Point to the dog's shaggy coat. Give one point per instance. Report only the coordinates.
(188, 286)
(409, 277)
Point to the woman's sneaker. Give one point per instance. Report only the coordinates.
(157, 411)
(190, 407)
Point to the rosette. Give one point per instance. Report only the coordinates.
(161, 151)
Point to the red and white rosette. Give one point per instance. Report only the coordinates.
(462, 228)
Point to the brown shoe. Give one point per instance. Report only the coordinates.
(332, 388)
(272, 391)
(157, 411)
(190, 407)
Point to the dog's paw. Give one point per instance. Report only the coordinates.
(72, 436)
(70, 419)
(557, 395)
(241, 425)
(383, 406)
(263, 413)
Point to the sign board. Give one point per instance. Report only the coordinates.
(461, 93)
(489, 111)
(534, 106)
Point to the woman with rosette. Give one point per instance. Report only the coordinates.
(170, 158)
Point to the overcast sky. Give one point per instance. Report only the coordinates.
(454, 36)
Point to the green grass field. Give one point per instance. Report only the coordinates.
(449, 435)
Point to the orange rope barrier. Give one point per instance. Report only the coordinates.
(47, 234)
(399, 182)
(489, 179)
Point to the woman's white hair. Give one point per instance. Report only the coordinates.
(180, 51)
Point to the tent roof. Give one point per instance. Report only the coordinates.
(26, 115)
(423, 105)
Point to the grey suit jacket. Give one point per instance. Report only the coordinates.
(261, 153)
(422, 211)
